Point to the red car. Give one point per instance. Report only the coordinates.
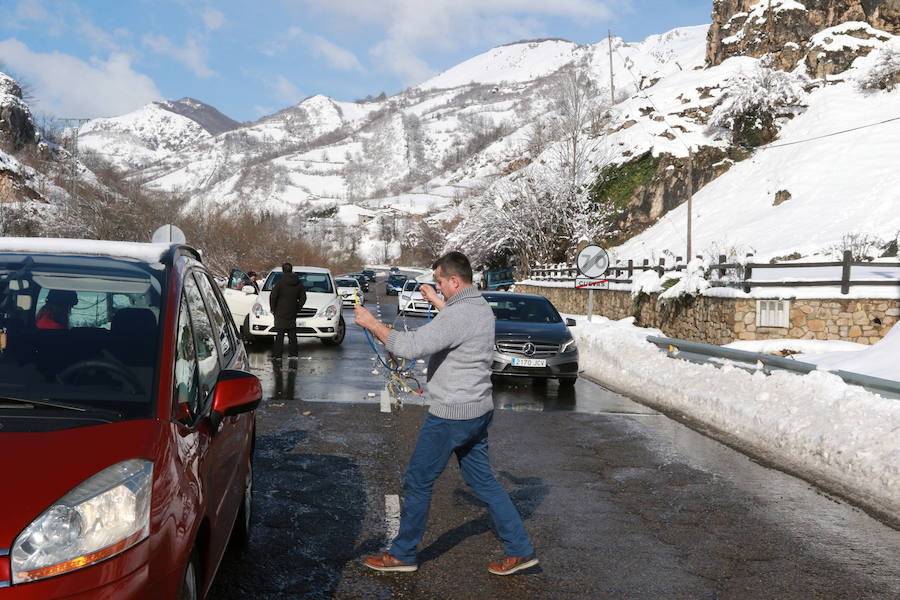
(126, 422)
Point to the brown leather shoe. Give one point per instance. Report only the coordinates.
(386, 562)
(513, 564)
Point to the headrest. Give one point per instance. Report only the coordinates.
(133, 321)
(62, 297)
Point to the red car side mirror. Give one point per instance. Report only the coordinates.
(236, 392)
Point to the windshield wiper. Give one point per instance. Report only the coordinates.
(116, 415)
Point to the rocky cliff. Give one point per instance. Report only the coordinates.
(16, 124)
(786, 30)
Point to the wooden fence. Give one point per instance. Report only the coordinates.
(736, 275)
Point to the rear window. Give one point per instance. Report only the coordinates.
(81, 331)
(531, 310)
(397, 278)
(312, 282)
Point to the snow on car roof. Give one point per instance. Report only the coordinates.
(146, 252)
(298, 269)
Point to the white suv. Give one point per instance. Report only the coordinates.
(320, 316)
(411, 301)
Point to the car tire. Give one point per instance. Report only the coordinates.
(339, 336)
(192, 579)
(240, 535)
(245, 330)
(567, 382)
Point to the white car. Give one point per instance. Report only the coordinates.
(350, 291)
(240, 293)
(320, 316)
(411, 301)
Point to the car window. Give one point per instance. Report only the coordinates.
(410, 286)
(220, 323)
(238, 279)
(204, 339)
(347, 283)
(531, 310)
(186, 385)
(83, 330)
(313, 282)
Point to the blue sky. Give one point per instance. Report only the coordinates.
(249, 58)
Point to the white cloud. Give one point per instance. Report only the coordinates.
(284, 90)
(337, 56)
(212, 18)
(413, 28)
(192, 55)
(65, 86)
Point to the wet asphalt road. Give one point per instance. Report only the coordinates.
(620, 501)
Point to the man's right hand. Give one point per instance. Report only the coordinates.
(431, 295)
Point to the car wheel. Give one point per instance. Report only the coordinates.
(240, 535)
(568, 382)
(339, 336)
(245, 330)
(190, 583)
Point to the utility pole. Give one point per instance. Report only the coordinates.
(690, 184)
(75, 124)
(612, 85)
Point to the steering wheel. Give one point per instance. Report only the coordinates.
(119, 372)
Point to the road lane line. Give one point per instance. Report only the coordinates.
(392, 515)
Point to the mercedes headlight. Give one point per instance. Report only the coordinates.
(101, 517)
(568, 346)
(330, 311)
(258, 310)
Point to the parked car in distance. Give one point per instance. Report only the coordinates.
(411, 301)
(532, 339)
(369, 273)
(394, 269)
(394, 284)
(240, 293)
(497, 279)
(350, 291)
(321, 315)
(127, 407)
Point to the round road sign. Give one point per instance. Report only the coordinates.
(592, 261)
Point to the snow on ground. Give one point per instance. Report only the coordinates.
(840, 436)
(825, 203)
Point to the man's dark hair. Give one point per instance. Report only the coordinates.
(455, 263)
(287, 267)
(251, 274)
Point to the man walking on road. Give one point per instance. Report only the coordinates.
(460, 342)
(287, 298)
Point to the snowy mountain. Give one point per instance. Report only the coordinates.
(475, 136)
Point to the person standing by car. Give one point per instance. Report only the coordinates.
(287, 298)
(460, 342)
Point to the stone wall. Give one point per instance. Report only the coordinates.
(724, 320)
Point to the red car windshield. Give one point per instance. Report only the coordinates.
(79, 337)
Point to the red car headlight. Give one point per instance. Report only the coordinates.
(103, 516)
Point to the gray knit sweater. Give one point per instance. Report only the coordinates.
(460, 342)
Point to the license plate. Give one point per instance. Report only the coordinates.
(529, 362)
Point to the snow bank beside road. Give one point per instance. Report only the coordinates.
(839, 436)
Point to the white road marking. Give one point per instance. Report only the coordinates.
(392, 515)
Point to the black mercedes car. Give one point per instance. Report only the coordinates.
(532, 339)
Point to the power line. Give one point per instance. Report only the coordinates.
(820, 137)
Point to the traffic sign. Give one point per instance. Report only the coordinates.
(592, 262)
(591, 283)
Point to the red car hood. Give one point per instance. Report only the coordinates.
(40, 468)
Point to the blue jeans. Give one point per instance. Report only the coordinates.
(438, 439)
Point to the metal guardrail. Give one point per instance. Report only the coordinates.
(705, 353)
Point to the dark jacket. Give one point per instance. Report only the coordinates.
(287, 298)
